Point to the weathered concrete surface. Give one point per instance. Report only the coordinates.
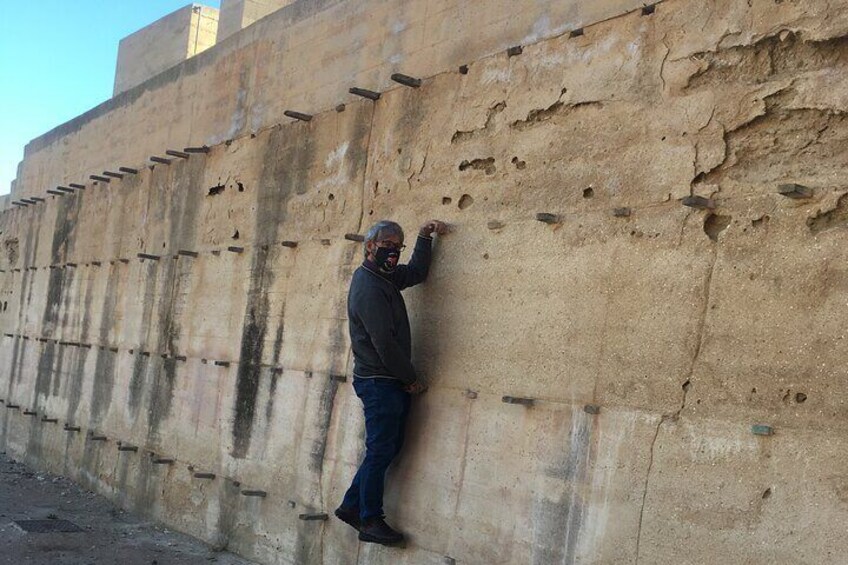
(246, 82)
(164, 44)
(686, 327)
(238, 14)
(106, 534)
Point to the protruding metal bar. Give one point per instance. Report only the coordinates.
(592, 409)
(406, 80)
(37, 199)
(181, 358)
(28, 201)
(338, 378)
(76, 185)
(354, 237)
(576, 32)
(222, 363)
(186, 253)
(698, 202)
(175, 153)
(796, 191)
(369, 94)
(291, 244)
(547, 218)
(518, 400)
(147, 256)
(68, 428)
(118, 176)
(30, 412)
(298, 115)
(313, 516)
(621, 212)
(96, 263)
(163, 461)
(513, 51)
(201, 149)
(56, 192)
(113, 349)
(16, 203)
(13, 406)
(258, 493)
(65, 189)
(99, 178)
(98, 438)
(208, 476)
(71, 265)
(128, 170)
(145, 354)
(235, 249)
(125, 447)
(50, 420)
(162, 160)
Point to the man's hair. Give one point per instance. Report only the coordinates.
(380, 231)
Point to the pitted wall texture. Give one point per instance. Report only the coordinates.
(228, 350)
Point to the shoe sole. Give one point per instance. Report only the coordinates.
(371, 539)
(350, 523)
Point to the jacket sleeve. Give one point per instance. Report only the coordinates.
(374, 310)
(416, 270)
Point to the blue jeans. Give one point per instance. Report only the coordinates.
(386, 407)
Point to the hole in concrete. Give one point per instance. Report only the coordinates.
(331, 196)
(240, 186)
(588, 192)
(217, 189)
(236, 234)
(465, 201)
(463, 69)
(767, 493)
(686, 386)
(519, 164)
(485, 255)
(800, 397)
(757, 222)
(714, 224)
(487, 165)
(446, 200)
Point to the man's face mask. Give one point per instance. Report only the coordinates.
(387, 256)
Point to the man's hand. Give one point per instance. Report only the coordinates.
(416, 388)
(434, 226)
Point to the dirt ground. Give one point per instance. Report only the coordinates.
(108, 534)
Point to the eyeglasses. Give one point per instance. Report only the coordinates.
(391, 245)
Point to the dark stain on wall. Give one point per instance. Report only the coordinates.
(286, 164)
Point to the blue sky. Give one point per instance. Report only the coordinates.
(57, 60)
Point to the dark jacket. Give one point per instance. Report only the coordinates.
(379, 325)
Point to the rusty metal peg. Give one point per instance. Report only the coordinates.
(222, 363)
(235, 249)
(406, 80)
(548, 218)
(50, 420)
(290, 244)
(796, 191)
(128, 170)
(147, 256)
(125, 447)
(514, 51)
(576, 32)
(28, 412)
(298, 115)
(94, 437)
(207, 476)
(163, 461)
(256, 493)
(68, 428)
(338, 378)
(76, 185)
(369, 94)
(186, 253)
(698, 202)
(201, 149)
(354, 237)
(55, 192)
(518, 400)
(313, 516)
(100, 178)
(175, 153)
(162, 160)
(118, 176)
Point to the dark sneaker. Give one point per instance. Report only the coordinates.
(375, 530)
(348, 516)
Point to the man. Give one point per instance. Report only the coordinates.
(383, 375)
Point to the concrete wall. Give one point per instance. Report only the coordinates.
(246, 83)
(238, 14)
(684, 326)
(163, 44)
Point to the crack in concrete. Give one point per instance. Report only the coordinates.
(686, 387)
